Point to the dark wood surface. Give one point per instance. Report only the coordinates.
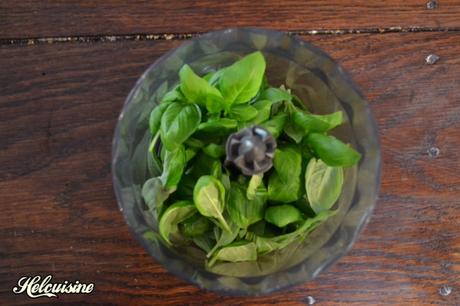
(28, 18)
(58, 106)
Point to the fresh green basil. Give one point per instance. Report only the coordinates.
(198, 90)
(254, 183)
(214, 150)
(173, 167)
(240, 82)
(323, 184)
(284, 185)
(332, 151)
(242, 211)
(282, 215)
(155, 117)
(264, 109)
(173, 215)
(224, 237)
(275, 95)
(267, 245)
(275, 125)
(221, 126)
(243, 112)
(209, 198)
(155, 194)
(310, 123)
(178, 122)
(195, 226)
(175, 95)
(236, 252)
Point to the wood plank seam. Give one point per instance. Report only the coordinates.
(184, 36)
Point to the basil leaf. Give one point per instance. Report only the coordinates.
(323, 184)
(310, 123)
(214, 150)
(275, 95)
(178, 122)
(209, 198)
(190, 153)
(266, 245)
(282, 215)
(155, 194)
(236, 252)
(204, 242)
(197, 90)
(174, 95)
(154, 164)
(204, 164)
(243, 112)
(195, 226)
(224, 237)
(185, 186)
(222, 126)
(291, 129)
(173, 167)
(194, 143)
(254, 183)
(332, 151)
(284, 185)
(155, 117)
(240, 82)
(173, 215)
(242, 211)
(275, 125)
(264, 108)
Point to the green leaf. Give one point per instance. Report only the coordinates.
(198, 90)
(282, 215)
(204, 164)
(236, 252)
(155, 117)
(240, 82)
(178, 122)
(194, 143)
(204, 242)
(175, 95)
(254, 183)
(190, 153)
(154, 163)
(275, 95)
(224, 237)
(242, 211)
(209, 198)
(275, 125)
(222, 126)
(185, 186)
(243, 112)
(214, 150)
(332, 151)
(284, 185)
(264, 109)
(323, 184)
(310, 123)
(290, 128)
(195, 226)
(173, 215)
(266, 245)
(155, 194)
(173, 167)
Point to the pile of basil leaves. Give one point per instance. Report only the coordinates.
(231, 217)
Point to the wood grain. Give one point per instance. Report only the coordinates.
(58, 107)
(27, 18)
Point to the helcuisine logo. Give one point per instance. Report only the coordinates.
(36, 286)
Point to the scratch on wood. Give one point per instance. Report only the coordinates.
(184, 36)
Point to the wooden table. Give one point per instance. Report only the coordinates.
(67, 66)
